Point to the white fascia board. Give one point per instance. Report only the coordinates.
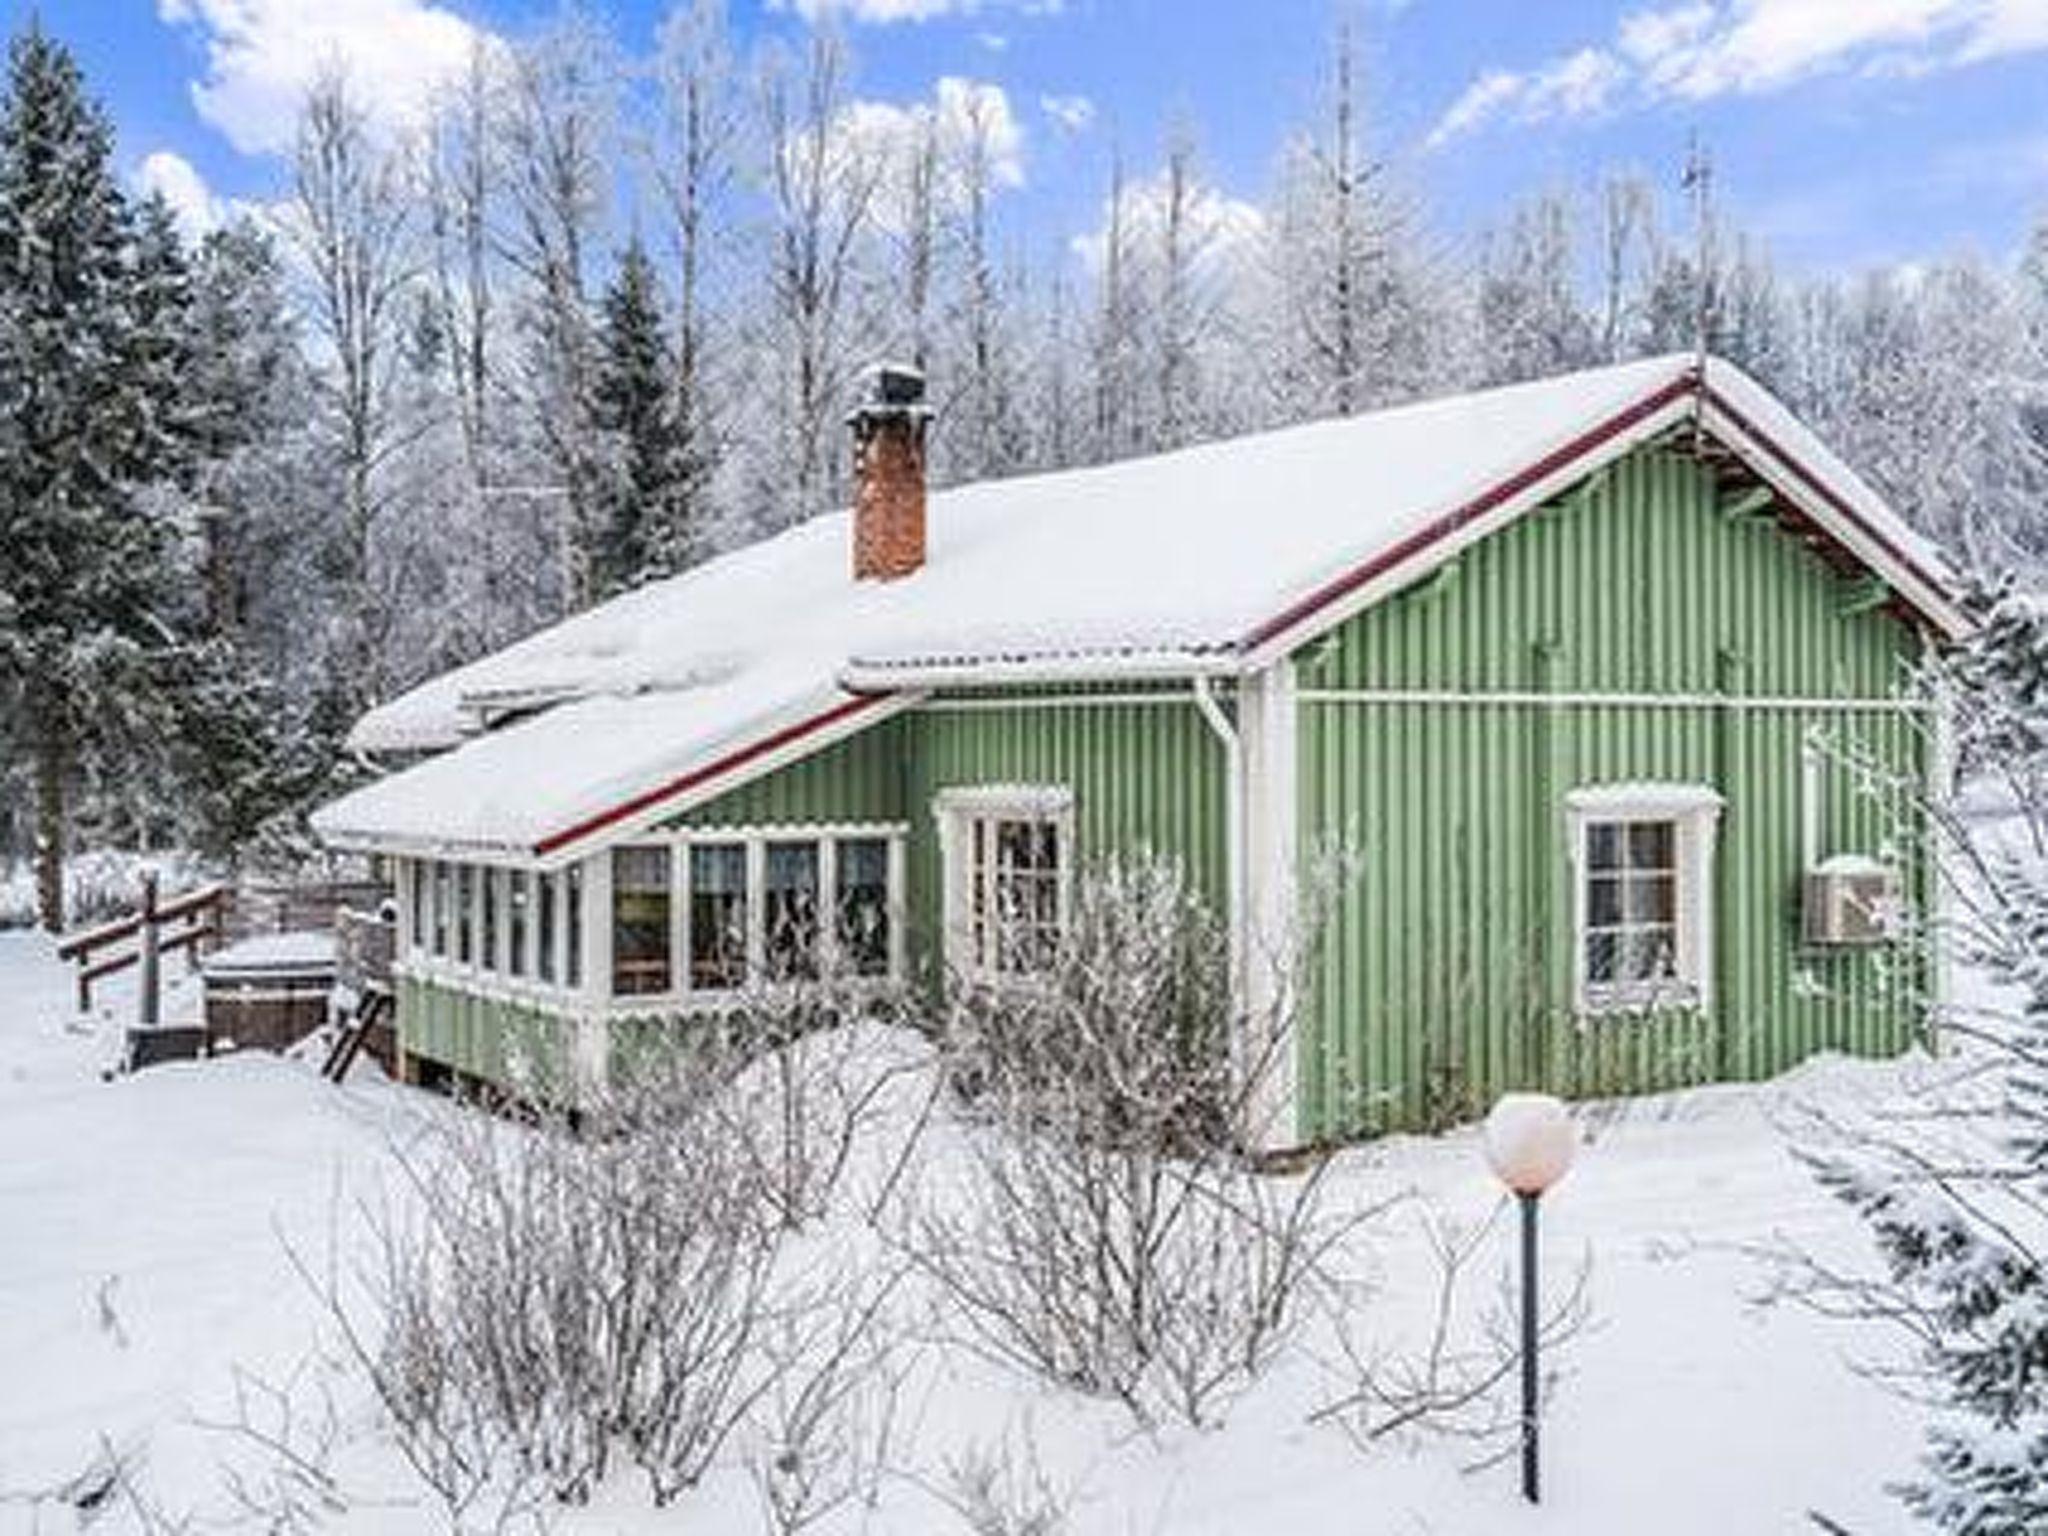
(1027, 671)
(355, 840)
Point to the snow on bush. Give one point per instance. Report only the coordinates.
(1953, 1185)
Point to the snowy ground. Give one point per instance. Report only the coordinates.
(141, 1262)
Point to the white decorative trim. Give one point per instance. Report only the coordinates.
(1163, 665)
(1176, 698)
(1517, 699)
(1042, 800)
(1696, 810)
(1642, 800)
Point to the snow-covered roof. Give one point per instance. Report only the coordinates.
(1202, 560)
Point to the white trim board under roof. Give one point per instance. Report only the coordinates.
(1214, 560)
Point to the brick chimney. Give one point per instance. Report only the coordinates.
(888, 473)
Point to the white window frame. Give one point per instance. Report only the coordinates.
(1695, 812)
(494, 980)
(956, 809)
(685, 998)
(593, 989)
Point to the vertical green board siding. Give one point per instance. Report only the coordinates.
(494, 1041)
(1142, 775)
(1145, 775)
(861, 778)
(1445, 976)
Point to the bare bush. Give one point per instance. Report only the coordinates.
(826, 1426)
(1110, 1235)
(283, 1435)
(550, 1297)
(1001, 1490)
(1461, 1381)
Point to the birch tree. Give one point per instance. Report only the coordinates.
(821, 187)
(353, 223)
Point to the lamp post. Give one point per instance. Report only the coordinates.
(1530, 1140)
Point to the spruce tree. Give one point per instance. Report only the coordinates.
(1954, 1187)
(85, 303)
(646, 529)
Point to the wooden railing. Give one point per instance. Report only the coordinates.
(190, 922)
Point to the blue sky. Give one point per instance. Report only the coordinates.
(1845, 131)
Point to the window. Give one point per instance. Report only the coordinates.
(547, 891)
(718, 915)
(572, 922)
(444, 900)
(516, 920)
(417, 889)
(862, 900)
(789, 910)
(1644, 855)
(1008, 858)
(640, 921)
(487, 949)
(465, 912)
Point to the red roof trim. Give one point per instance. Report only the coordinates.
(1561, 458)
(1826, 493)
(737, 758)
(1486, 501)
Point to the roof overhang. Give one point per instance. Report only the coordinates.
(1828, 504)
(659, 802)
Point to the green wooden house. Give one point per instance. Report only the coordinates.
(1574, 672)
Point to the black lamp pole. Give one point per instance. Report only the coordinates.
(1529, 1394)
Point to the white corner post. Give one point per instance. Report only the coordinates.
(590, 1023)
(1268, 930)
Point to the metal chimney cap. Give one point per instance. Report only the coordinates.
(896, 384)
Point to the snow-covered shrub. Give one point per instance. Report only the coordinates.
(1125, 1039)
(1106, 1231)
(1954, 1186)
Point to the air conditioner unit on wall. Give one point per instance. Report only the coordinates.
(1851, 899)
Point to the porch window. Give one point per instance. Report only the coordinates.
(547, 891)
(465, 913)
(419, 892)
(516, 922)
(718, 915)
(1643, 855)
(572, 923)
(789, 910)
(640, 921)
(862, 902)
(1009, 858)
(444, 901)
(487, 950)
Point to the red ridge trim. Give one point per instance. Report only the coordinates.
(736, 758)
(1485, 502)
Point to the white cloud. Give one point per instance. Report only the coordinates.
(1070, 114)
(1219, 229)
(261, 55)
(960, 112)
(1698, 49)
(887, 12)
(175, 179)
